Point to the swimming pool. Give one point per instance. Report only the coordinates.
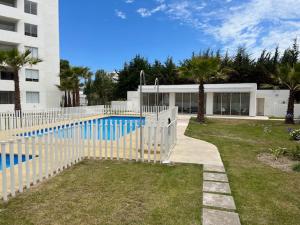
(16, 160)
(105, 127)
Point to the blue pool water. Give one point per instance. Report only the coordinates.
(105, 132)
(8, 160)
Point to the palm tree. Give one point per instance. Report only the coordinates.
(201, 68)
(79, 73)
(15, 60)
(289, 76)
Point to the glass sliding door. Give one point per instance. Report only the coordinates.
(245, 104)
(235, 104)
(186, 106)
(194, 102)
(165, 100)
(231, 104)
(145, 99)
(217, 103)
(226, 99)
(178, 102)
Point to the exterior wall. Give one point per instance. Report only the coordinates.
(47, 43)
(133, 100)
(276, 102)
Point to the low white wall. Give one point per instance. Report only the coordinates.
(279, 110)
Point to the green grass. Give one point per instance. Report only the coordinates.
(296, 167)
(263, 195)
(112, 193)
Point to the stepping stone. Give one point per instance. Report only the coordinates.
(216, 217)
(219, 187)
(215, 177)
(218, 201)
(213, 168)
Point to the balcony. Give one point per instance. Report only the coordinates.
(8, 31)
(11, 3)
(8, 25)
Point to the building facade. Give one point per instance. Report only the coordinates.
(220, 99)
(32, 25)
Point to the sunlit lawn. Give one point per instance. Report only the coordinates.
(95, 192)
(263, 195)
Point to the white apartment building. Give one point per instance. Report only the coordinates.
(34, 25)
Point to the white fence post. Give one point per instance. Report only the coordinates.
(4, 181)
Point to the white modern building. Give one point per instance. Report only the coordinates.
(220, 99)
(31, 25)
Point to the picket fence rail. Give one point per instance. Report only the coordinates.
(39, 154)
(30, 118)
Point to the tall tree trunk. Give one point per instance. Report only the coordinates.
(289, 118)
(66, 100)
(74, 100)
(17, 91)
(201, 113)
(69, 99)
(77, 97)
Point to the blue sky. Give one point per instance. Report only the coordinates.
(103, 34)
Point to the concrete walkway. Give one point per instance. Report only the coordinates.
(190, 150)
(218, 204)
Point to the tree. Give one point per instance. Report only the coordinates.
(290, 77)
(70, 82)
(65, 81)
(201, 68)
(129, 76)
(100, 91)
(79, 73)
(15, 60)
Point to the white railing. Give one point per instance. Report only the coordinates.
(16, 119)
(41, 153)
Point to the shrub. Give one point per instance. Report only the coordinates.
(277, 152)
(295, 153)
(295, 134)
(296, 167)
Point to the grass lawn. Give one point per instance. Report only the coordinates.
(106, 192)
(263, 195)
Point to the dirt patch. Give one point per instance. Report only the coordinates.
(282, 163)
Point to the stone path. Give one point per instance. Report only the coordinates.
(218, 204)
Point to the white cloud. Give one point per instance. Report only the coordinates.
(256, 24)
(120, 14)
(259, 24)
(146, 13)
(129, 1)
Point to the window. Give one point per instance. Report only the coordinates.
(34, 51)
(6, 75)
(30, 7)
(7, 25)
(231, 104)
(7, 97)
(31, 30)
(11, 3)
(4, 47)
(32, 97)
(32, 75)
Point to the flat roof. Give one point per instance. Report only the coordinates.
(190, 88)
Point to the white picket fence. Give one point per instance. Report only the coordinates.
(16, 119)
(46, 152)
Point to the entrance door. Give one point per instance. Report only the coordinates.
(260, 106)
